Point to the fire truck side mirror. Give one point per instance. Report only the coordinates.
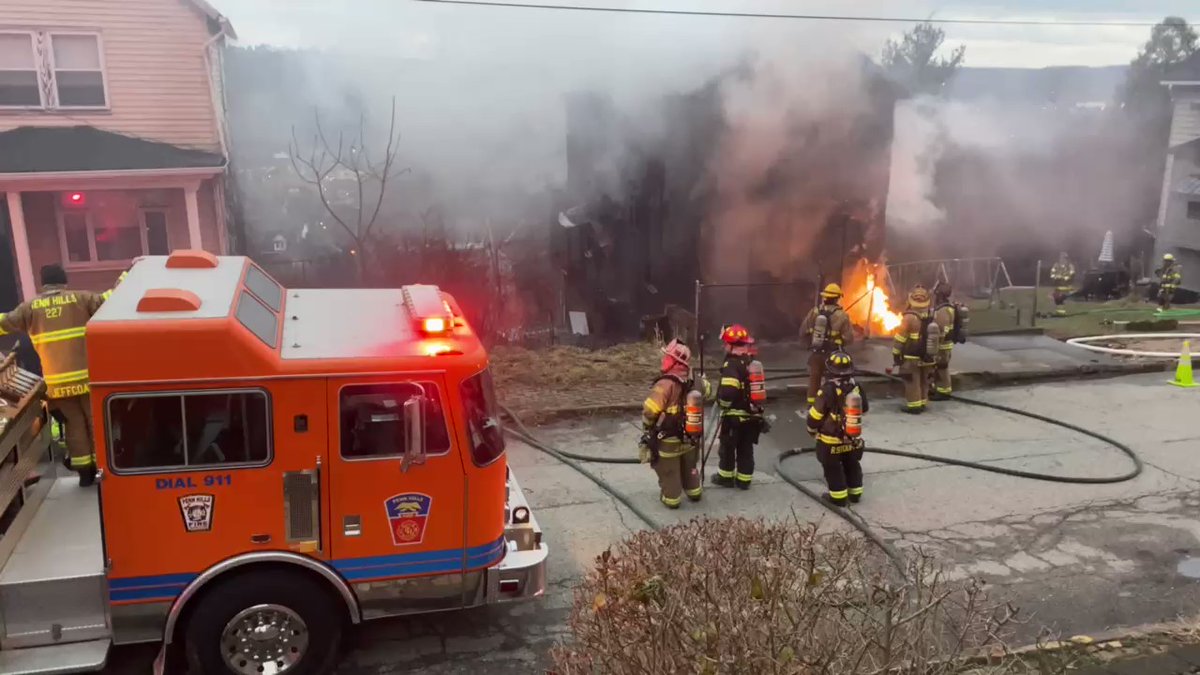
(414, 433)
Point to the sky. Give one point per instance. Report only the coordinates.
(422, 30)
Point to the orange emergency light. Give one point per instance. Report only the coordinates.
(426, 305)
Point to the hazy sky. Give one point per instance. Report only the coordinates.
(429, 31)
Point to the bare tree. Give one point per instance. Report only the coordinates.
(326, 164)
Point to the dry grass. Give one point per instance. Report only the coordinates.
(569, 367)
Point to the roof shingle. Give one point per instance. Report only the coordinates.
(83, 148)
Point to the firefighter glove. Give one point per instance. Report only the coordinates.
(897, 360)
(858, 443)
(643, 454)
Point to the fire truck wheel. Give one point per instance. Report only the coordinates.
(265, 622)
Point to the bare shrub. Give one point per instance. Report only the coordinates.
(747, 596)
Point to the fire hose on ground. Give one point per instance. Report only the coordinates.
(847, 513)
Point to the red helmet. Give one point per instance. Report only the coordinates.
(736, 335)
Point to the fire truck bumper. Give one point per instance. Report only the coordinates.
(522, 573)
(520, 576)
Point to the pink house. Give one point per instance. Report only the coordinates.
(112, 136)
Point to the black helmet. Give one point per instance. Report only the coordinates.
(839, 364)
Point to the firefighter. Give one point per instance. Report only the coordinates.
(947, 316)
(1170, 276)
(826, 329)
(835, 420)
(1062, 274)
(667, 443)
(911, 351)
(742, 420)
(56, 321)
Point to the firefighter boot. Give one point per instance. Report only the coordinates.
(87, 476)
(836, 501)
(722, 481)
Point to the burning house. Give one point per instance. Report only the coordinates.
(756, 185)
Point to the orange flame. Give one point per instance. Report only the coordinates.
(868, 302)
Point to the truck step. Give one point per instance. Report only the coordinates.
(76, 657)
(53, 589)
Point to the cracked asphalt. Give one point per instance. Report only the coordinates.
(1076, 558)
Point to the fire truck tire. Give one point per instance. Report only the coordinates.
(281, 621)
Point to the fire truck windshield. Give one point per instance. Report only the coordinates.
(483, 420)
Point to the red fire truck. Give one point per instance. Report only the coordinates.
(276, 465)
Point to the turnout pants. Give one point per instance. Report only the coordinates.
(816, 371)
(843, 470)
(677, 473)
(941, 373)
(916, 375)
(76, 413)
(738, 437)
(1165, 295)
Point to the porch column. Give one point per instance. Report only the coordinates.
(193, 216)
(16, 216)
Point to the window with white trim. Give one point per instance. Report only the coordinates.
(52, 70)
(85, 241)
(18, 71)
(78, 75)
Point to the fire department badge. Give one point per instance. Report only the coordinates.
(408, 514)
(197, 512)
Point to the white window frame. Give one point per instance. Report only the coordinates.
(37, 70)
(53, 74)
(47, 71)
(93, 263)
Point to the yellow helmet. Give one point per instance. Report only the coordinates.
(1168, 256)
(839, 364)
(832, 291)
(918, 298)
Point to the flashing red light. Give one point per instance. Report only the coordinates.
(75, 199)
(434, 324)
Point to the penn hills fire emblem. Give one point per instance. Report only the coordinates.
(408, 514)
(197, 512)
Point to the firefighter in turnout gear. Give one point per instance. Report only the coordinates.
(1063, 275)
(950, 318)
(741, 417)
(1170, 276)
(671, 440)
(835, 420)
(826, 329)
(915, 348)
(56, 321)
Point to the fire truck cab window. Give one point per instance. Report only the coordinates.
(264, 288)
(483, 419)
(257, 319)
(189, 430)
(372, 419)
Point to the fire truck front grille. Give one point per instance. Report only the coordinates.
(301, 499)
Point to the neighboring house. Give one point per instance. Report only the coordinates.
(1179, 210)
(112, 136)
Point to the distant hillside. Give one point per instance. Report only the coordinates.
(1063, 85)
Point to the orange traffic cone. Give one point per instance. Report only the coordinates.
(1183, 372)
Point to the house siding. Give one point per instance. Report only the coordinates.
(41, 217)
(1185, 123)
(157, 81)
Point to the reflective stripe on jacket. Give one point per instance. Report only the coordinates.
(733, 394)
(56, 322)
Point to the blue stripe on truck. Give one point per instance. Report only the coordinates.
(166, 587)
